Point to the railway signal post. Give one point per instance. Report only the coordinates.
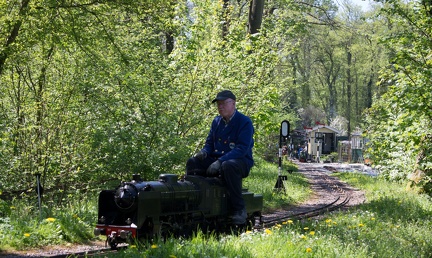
(283, 136)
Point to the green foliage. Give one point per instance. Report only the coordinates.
(401, 118)
(90, 93)
(332, 157)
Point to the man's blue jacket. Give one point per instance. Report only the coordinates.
(232, 140)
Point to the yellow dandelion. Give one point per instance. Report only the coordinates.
(361, 225)
(306, 228)
(289, 221)
(284, 223)
(303, 237)
(154, 246)
(26, 234)
(308, 250)
(50, 219)
(312, 233)
(132, 246)
(268, 231)
(334, 223)
(328, 220)
(372, 218)
(12, 207)
(248, 232)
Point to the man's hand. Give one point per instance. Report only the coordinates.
(201, 155)
(214, 168)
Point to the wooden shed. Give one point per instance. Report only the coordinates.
(321, 140)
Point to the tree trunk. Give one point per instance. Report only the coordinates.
(12, 36)
(255, 15)
(349, 82)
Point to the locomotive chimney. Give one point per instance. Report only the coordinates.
(136, 178)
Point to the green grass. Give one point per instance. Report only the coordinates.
(263, 178)
(22, 227)
(391, 223)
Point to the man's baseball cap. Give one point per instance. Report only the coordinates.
(223, 95)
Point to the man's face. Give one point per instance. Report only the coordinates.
(226, 107)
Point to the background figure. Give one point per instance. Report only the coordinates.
(227, 152)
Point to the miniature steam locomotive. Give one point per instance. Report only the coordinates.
(169, 206)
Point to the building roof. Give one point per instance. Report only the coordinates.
(322, 126)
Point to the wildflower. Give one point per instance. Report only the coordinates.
(372, 218)
(306, 228)
(268, 231)
(328, 220)
(308, 250)
(26, 234)
(289, 221)
(248, 232)
(50, 219)
(132, 246)
(12, 207)
(312, 233)
(303, 237)
(154, 246)
(361, 225)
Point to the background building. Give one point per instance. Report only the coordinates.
(321, 140)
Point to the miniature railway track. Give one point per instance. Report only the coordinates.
(333, 194)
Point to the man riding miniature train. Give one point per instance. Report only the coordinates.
(227, 152)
